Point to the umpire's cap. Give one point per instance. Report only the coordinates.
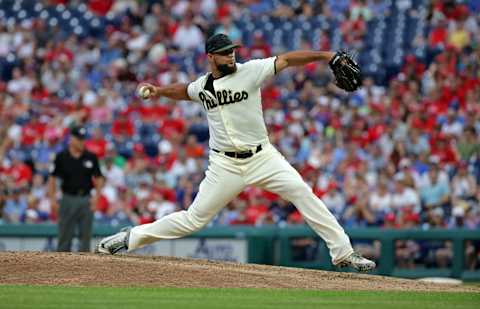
(218, 43)
(79, 132)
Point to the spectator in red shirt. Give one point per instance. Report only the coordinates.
(438, 36)
(20, 172)
(122, 127)
(223, 9)
(97, 144)
(353, 31)
(442, 148)
(171, 127)
(59, 52)
(33, 132)
(155, 112)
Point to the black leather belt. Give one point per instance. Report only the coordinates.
(240, 155)
(79, 192)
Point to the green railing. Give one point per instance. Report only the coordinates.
(272, 245)
(387, 238)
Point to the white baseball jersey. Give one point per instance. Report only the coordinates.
(234, 111)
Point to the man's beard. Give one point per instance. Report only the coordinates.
(225, 69)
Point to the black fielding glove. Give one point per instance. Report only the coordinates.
(347, 72)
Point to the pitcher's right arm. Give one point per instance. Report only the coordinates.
(177, 91)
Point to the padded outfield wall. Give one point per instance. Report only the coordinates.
(296, 246)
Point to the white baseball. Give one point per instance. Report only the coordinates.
(144, 92)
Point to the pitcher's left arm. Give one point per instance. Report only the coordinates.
(348, 75)
(301, 57)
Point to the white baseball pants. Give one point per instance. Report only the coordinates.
(225, 178)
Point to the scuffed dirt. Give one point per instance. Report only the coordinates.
(87, 269)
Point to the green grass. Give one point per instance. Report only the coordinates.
(96, 297)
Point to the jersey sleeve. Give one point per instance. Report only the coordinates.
(262, 69)
(56, 166)
(96, 167)
(194, 89)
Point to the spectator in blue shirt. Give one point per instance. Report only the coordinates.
(15, 206)
(437, 193)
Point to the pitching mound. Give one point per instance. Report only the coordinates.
(77, 269)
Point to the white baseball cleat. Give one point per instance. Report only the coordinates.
(355, 260)
(115, 243)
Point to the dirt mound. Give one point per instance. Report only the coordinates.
(76, 269)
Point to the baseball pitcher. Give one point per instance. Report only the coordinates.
(240, 153)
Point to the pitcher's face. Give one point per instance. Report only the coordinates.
(224, 61)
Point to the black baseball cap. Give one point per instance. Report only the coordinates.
(218, 43)
(79, 132)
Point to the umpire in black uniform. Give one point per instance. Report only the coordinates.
(79, 172)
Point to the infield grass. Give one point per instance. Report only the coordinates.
(97, 297)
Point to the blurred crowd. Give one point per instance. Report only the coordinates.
(401, 153)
